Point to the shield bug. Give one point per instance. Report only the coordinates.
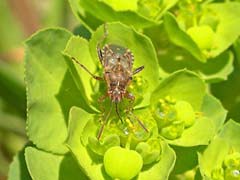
(117, 63)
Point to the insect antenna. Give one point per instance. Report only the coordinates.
(116, 108)
(104, 122)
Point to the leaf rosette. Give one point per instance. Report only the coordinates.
(71, 109)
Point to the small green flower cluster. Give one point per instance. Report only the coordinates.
(173, 116)
(230, 169)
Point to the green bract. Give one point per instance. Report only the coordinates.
(214, 31)
(202, 35)
(122, 163)
(182, 86)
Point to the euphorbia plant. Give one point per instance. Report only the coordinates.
(172, 111)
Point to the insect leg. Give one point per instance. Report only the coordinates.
(140, 122)
(86, 69)
(104, 123)
(139, 69)
(116, 108)
(100, 101)
(130, 96)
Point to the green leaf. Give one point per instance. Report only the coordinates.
(51, 90)
(181, 85)
(89, 21)
(47, 166)
(227, 28)
(86, 12)
(154, 9)
(187, 159)
(230, 133)
(180, 38)
(78, 48)
(86, 159)
(139, 45)
(228, 92)
(18, 168)
(226, 141)
(123, 5)
(218, 68)
(213, 156)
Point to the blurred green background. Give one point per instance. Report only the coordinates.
(19, 19)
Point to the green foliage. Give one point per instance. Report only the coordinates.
(222, 155)
(175, 126)
(41, 76)
(57, 166)
(180, 38)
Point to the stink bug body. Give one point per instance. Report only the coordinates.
(117, 62)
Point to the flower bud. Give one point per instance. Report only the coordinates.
(150, 150)
(232, 174)
(185, 113)
(173, 131)
(232, 161)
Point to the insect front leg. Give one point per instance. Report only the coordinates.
(105, 120)
(86, 69)
(139, 69)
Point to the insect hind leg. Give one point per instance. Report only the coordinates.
(139, 122)
(104, 122)
(118, 114)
